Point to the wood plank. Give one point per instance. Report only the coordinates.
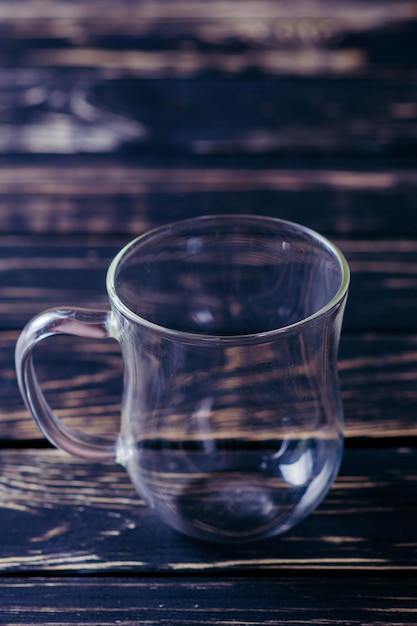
(83, 383)
(46, 272)
(377, 381)
(65, 20)
(361, 11)
(80, 79)
(296, 38)
(185, 63)
(76, 195)
(59, 514)
(198, 111)
(205, 602)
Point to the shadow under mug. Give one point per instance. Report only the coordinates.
(232, 421)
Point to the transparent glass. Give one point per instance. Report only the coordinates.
(232, 421)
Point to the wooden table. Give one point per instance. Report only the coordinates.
(119, 116)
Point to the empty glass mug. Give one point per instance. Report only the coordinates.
(232, 421)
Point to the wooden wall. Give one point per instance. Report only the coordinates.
(117, 117)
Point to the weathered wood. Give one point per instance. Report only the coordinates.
(80, 195)
(74, 78)
(83, 382)
(61, 514)
(117, 117)
(84, 110)
(42, 273)
(229, 23)
(204, 602)
(186, 38)
(127, 13)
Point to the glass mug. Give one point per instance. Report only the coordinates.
(232, 421)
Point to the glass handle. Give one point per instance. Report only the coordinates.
(81, 322)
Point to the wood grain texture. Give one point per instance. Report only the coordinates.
(130, 601)
(117, 117)
(82, 380)
(46, 272)
(270, 78)
(245, 24)
(81, 195)
(65, 515)
(71, 111)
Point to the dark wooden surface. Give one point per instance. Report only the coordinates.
(119, 116)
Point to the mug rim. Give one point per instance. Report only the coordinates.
(166, 229)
